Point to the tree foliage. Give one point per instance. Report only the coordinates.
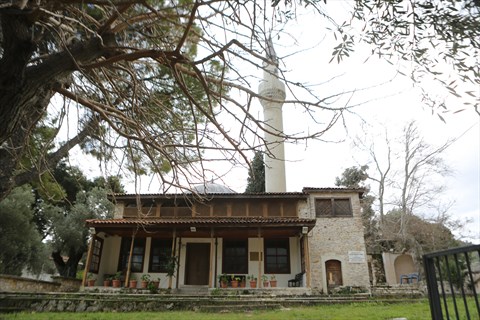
(69, 235)
(439, 40)
(150, 83)
(63, 220)
(22, 247)
(422, 236)
(256, 174)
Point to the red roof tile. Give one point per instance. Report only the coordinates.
(202, 221)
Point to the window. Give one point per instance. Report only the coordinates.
(137, 255)
(332, 207)
(96, 254)
(277, 255)
(160, 253)
(235, 256)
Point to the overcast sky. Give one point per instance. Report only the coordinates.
(305, 50)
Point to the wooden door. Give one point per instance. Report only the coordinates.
(197, 265)
(334, 273)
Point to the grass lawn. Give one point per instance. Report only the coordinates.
(370, 311)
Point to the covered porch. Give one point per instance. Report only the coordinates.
(203, 251)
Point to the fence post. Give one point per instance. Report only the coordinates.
(432, 288)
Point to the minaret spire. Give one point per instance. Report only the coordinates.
(272, 90)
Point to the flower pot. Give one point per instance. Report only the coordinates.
(273, 283)
(116, 283)
(133, 284)
(234, 283)
(265, 284)
(91, 282)
(243, 284)
(144, 284)
(156, 284)
(253, 284)
(106, 283)
(223, 284)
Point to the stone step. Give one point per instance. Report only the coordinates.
(193, 291)
(239, 308)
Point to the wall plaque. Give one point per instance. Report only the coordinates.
(356, 257)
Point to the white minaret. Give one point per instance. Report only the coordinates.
(273, 92)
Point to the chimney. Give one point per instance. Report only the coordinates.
(273, 89)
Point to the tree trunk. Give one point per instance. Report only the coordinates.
(69, 268)
(26, 89)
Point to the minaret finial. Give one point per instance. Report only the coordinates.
(271, 54)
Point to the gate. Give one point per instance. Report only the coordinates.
(451, 276)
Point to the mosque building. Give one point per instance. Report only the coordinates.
(300, 242)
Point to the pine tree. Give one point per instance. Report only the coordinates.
(256, 175)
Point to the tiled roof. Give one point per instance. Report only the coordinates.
(211, 195)
(202, 221)
(260, 195)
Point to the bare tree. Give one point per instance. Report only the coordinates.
(408, 173)
(150, 82)
(421, 161)
(382, 172)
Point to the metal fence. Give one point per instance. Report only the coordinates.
(451, 279)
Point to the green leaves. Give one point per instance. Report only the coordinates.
(439, 38)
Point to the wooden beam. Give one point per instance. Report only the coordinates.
(89, 259)
(260, 258)
(210, 272)
(307, 259)
(173, 256)
(178, 259)
(129, 265)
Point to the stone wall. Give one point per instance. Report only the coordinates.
(339, 239)
(10, 283)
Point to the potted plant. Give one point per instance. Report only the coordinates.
(116, 282)
(273, 281)
(235, 281)
(243, 282)
(265, 280)
(133, 282)
(156, 283)
(107, 281)
(223, 278)
(91, 280)
(253, 281)
(145, 280)
(170, 267)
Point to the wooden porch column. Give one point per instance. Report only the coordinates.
(178, 259)
(89, 258)
(306, 254)
(215, 259)
(210, 273)
(260, 258)
(174, 236)
(129, 265)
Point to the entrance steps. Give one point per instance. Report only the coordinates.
(400, 290)
(192, 290)
(164, 301)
